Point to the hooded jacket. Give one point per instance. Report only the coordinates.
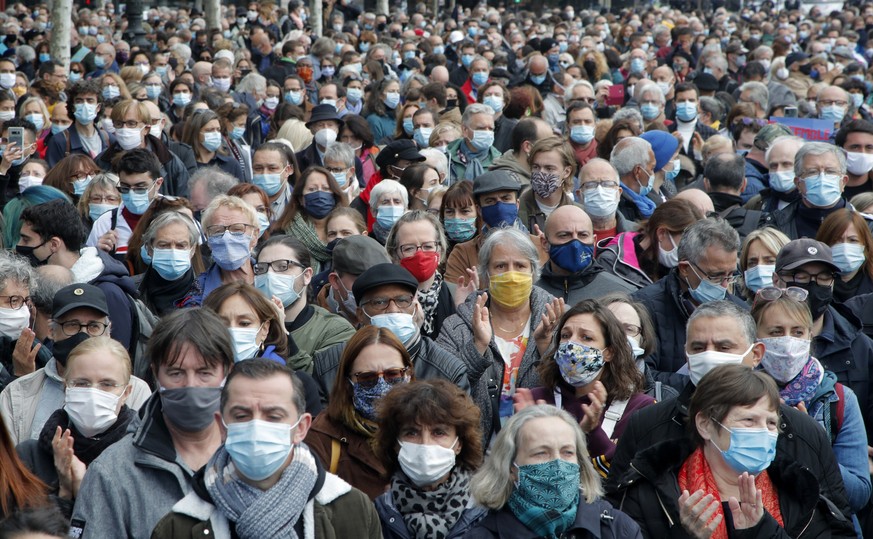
(98, 268)
(618, 256)
(591, 283)
(507, 161)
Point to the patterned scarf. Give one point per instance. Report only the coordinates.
(431, 514)
(803, 387)
(472, 160)
(429, 301)
(258, 513)
(695, 474)
(305, 232)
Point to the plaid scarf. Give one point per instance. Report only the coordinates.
(695, 474)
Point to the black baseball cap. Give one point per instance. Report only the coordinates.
(77, 296)
(803, 251)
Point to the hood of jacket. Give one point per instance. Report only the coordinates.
(114, 272)
(507, 161)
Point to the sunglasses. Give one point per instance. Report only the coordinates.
(369, 379)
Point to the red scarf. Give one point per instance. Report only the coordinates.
(695, 475)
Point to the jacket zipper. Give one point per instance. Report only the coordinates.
(657, 494)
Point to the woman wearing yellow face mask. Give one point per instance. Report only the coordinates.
(502, 332)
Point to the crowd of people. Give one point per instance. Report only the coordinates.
(478, 273)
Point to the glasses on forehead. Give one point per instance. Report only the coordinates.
(772, 293)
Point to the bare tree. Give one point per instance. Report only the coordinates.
(62, 22)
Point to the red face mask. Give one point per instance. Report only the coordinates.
(422, 265)
(305, 73)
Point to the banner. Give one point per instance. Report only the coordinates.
(811, 129)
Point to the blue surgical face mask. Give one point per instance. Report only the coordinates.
(495, 102)
(671, 174)
(295, 98)
(460, 229)
(230, 251)
(37, 120)
(111, 92)
(500, 214)
(582, 134)
(279, 285)
(96, 210)
(259, 448)
(408, 128)
(482, 139)
(153, 91)
(387, 215)
(354, 95)
(538, 79)
(650, 111)
(402, 325)
(573, 256)
(479, 78)
(181, 100)
(212, 140)
(59, 128)
(760, 276)
(751, 449)
(706, 291)
(686, 111)
(171, 264)
(782, 181)
(392, 99)
(85, 113)
(136, 203)
(439, 49)
(833, 112)
(848, 256)
(422, 136)
(238, 133)
(270, 183)
(823, 190)
(263, 223)
(467, 59)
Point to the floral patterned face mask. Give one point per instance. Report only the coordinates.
(579, 364)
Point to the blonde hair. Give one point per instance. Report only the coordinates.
(774, 240)
(296, 133)
(231, 203)
(95, 344)
(42, 108)
(122, 84)
(492, 485)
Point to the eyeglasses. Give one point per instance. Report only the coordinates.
(772, 293)
(94, 329)
(369, 379)
(14, 302)
(99, 199)
(103, 385)
(125, 189)
(334, 170)
(380, 304)
(831, 102)
(409, 249)
(728, 278)
(608, 184)
(632, 330)
(825, 278)
(279, 266)
(130, 124)
(236, 229)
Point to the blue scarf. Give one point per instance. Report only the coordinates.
(644, 204)
(474, 165)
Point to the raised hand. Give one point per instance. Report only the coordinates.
(108, 241)
(748, 510)
(695, 510)
(24, 354)
(466, 286)
(594, 411)
(482, 331)
(523, 398)
(543, 332)
(70, 469)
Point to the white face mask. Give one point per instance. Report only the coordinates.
(859, 163)
(426, 464)
(13, 321)
(669, 259)
(700, 364)
(245, 342)
(91, 410)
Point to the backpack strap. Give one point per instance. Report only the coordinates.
(113, 219)
(841, 405)
(837, 410)
(612, 416)
(335, 449)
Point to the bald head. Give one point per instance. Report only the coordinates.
(568, 223)
(202, 71)
(598, 170)
(440, 74)
(697, 197)
(538, 65)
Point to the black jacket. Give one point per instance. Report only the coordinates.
(598, 520)
(173, 171)
(786, 219)
(503, 127)
(669, 310)
(649, 492)
(801, 441)
(116, 283)
(730, 208)
(591, 283)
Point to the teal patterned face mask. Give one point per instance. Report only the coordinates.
(546, 496)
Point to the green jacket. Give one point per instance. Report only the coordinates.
(458, 162)
(314, 330)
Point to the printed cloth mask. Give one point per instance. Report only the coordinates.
(701, 363)
(425, 464)
(573, 256)
(751, 449)
(579, 364)
(460, 229)
(364, 399)
(784, 357)
(544, 184)
(500, 214)
(91, 410)
(511, 289)
(546, 496)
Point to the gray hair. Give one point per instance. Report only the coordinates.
(628, 153)
(252, 83)
(340, 152)
(492, 484)
(718, 61)
(652, 88)
(25, 53)
(410, 217)
(170, 218)
(182, 50)
(568, 93)
(706, 233)
(388, 187)
(818, 148)
(16, 269)
(473, 109)
(508, 236)
(711, 105)
(418, 77)
(217, 181)
(629, 113)
(727, 309)
(779, 141)
(48, 280)
(437, 160)
(758, 94)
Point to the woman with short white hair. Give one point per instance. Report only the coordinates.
(388, 202)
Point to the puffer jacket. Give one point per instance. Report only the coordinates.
(485, 371)
(334, 509)
(598, 520)
(618, 256)
(649, 493)
(801, 440)
(668, 310)
(429, 361)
